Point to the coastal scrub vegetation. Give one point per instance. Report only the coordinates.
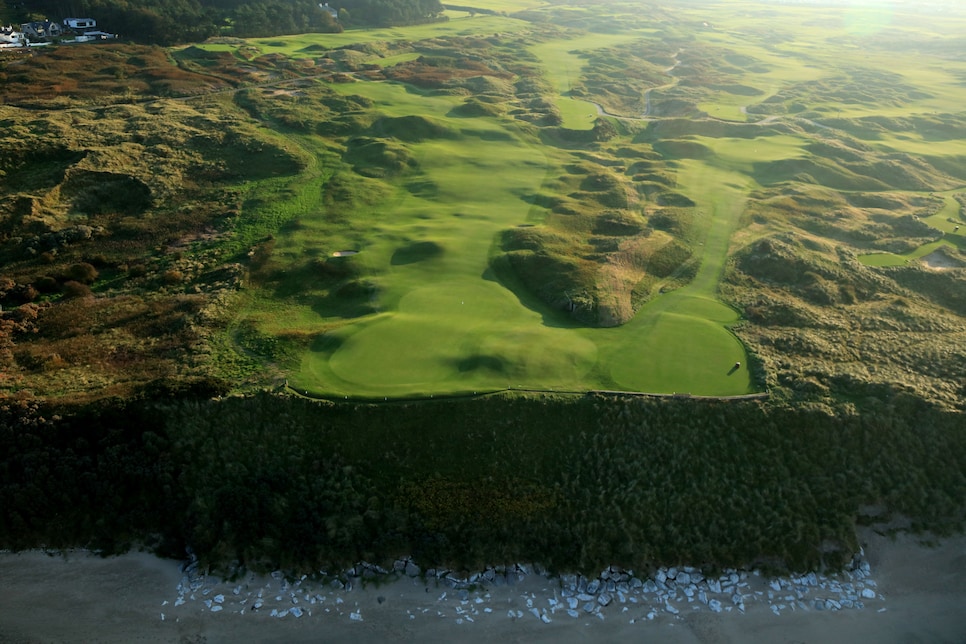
(577, 483)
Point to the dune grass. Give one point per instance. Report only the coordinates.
(916, 143)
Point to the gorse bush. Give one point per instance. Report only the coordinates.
(82, 272)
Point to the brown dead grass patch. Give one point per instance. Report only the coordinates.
(115, 70)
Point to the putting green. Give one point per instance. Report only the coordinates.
(891, 259)
(681, 346)
(458, 336)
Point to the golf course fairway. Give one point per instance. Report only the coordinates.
(444, 325)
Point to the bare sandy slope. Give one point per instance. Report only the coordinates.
(87, 599)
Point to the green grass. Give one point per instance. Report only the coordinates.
(442, 329)
(679, 344)
(441, 325)
(389, 61)
(726, 110)
(576, 114)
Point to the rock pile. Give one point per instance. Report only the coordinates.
(668, 592)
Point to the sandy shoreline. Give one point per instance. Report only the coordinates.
(921, 597)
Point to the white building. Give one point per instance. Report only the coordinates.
(80, 24)
(10, 37)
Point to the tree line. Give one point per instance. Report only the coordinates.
(169, 22)
(574, 483)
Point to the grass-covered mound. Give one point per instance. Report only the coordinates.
(372, 157)
(596, 256)
(79, 75)
(827, 326)
(856, 172)
(412, 128)
(614, 232)
(113, 230)
(307, 108)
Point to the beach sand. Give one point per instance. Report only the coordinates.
(82, 598)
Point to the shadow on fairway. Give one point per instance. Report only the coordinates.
(416, 252)
(506, 277)
(481, 363)
(352, 299)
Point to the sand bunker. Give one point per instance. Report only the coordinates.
(938, 260)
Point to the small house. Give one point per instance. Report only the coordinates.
(9, 37)
(80, 25)
(41, 30)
